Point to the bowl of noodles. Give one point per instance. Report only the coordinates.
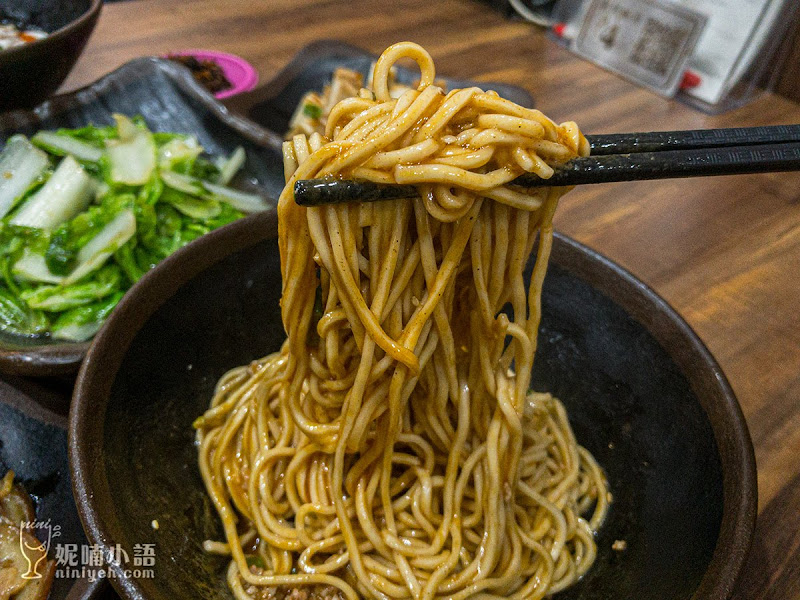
(434, 397)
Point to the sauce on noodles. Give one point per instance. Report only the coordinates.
(392, 448)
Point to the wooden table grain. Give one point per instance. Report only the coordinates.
(724, 251)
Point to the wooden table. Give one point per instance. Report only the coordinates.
(725, 252)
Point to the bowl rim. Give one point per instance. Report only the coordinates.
(88, 15)
(49, 359)
(707, 381)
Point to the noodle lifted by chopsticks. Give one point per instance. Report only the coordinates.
(392, 448)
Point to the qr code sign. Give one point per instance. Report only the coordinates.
(645, 40)
(658, 46)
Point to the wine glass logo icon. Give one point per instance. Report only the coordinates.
(34, 551)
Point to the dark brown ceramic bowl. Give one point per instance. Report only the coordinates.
(643, 394)
(32, 72)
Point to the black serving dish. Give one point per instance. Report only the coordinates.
(32, 72)
(169, 99)
(643, 394)
(33, 443)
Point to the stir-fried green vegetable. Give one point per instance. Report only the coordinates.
(21, 167)
(85, 213)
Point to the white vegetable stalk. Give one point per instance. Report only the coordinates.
(21, 165)
(32, 267)
(77, 333)
(178, 150)
(97, 250)
(183, 183)
(242, 201)
(53, 142)
(126, 129)
(133, 156)
(67, 193)
(231, 166)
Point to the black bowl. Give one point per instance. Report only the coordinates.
(32, 72)
(643, 394)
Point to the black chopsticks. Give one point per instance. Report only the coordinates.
(661, 141)
(619, 157)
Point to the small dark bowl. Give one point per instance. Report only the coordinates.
(643, 394)
(32, 72)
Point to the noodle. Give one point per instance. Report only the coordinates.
(391, 448)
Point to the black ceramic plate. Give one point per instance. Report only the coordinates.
(643, 393)
(273, 104)
(33, 443)
(169, 99)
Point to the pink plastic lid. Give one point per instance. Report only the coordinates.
(238, 71)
